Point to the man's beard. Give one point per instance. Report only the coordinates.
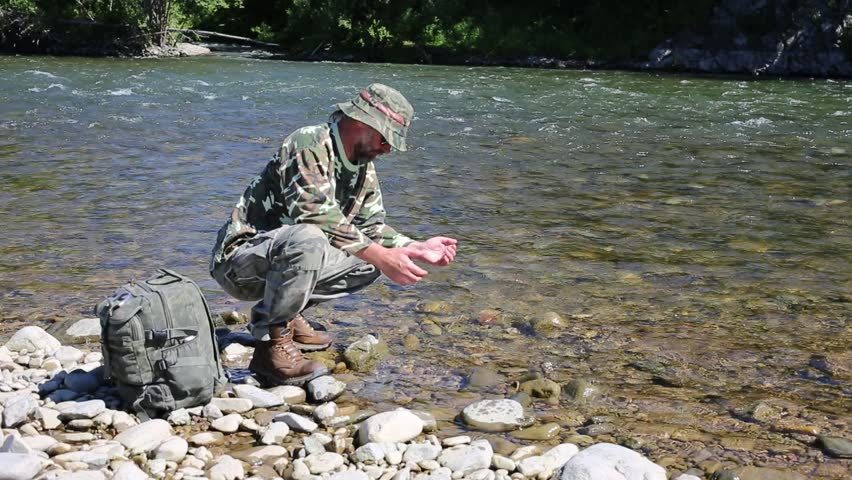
(363, 154)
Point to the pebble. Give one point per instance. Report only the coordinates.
(297, 422)
(836, 446)
(289, 394)
(259, 398)
(275, 433)
(145, 437)
(325, 411)
(173, 449)
(17, 409)
(349, 475)
(467, 458)
(179, 417)
(68, 356)
(495, 415)
(417, 452)
(232, 405)
(325, 388)
(323, 462)
(453, 441)
(228, 423)
(81, 410)
(257, 455)
(501, 462)
(607, 460)
(207, 439)
(129, 471)
(227, 468)
(547, 431)
(394, 426)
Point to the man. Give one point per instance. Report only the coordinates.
(311, 227)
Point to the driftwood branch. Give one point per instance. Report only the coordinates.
(205, 33)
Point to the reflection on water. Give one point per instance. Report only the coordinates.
(698, 224)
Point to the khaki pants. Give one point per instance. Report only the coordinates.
(289, 269)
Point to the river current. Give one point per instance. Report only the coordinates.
(692, 233)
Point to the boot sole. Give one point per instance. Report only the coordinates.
(273, 380)
(306, 347)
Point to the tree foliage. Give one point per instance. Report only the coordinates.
(412, 30)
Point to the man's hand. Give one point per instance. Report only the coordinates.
(438, 251)
(394, 263)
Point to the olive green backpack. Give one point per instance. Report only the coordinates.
(159, 344)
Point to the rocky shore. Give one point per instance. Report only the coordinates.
(62, 420)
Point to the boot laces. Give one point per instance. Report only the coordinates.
(287, 348)
(300, 323)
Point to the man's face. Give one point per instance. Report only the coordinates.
(370, 145)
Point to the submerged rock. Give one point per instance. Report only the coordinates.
(836, 446)
(483, 377)
(581, 391)
(363, 354)
(540, 432)
(757, 473)
(542, 388)
(547, 324)
(495, 415)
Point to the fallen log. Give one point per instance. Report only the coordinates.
(207, 33)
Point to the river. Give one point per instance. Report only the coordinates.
(691, 233)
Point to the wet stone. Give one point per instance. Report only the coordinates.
(542, 388)
(483, 377)
(758, 473)
(596, 429)
(495, 415)
(547, 324)
(363, 354)
(411, 342)
(547, 431)
(581, 391)
(836, 446)
(325, 388)
(523, 398)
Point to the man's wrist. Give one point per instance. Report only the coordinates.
(374, 254)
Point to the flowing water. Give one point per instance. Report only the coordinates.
(691, 232)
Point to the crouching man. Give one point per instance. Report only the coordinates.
(311, 228)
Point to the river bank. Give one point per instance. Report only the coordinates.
(60, 416)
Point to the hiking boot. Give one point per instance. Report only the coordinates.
(279, 361)
(305, 337)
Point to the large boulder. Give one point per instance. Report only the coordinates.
(33, 338)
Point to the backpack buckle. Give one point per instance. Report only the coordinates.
(158, 336)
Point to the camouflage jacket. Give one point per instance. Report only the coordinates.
(311, 181)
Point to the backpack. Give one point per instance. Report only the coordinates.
(159, 346)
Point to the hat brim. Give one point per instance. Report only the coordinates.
(393, 135)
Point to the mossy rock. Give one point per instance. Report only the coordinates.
(364, 354)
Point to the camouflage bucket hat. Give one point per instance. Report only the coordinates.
(384, 109)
